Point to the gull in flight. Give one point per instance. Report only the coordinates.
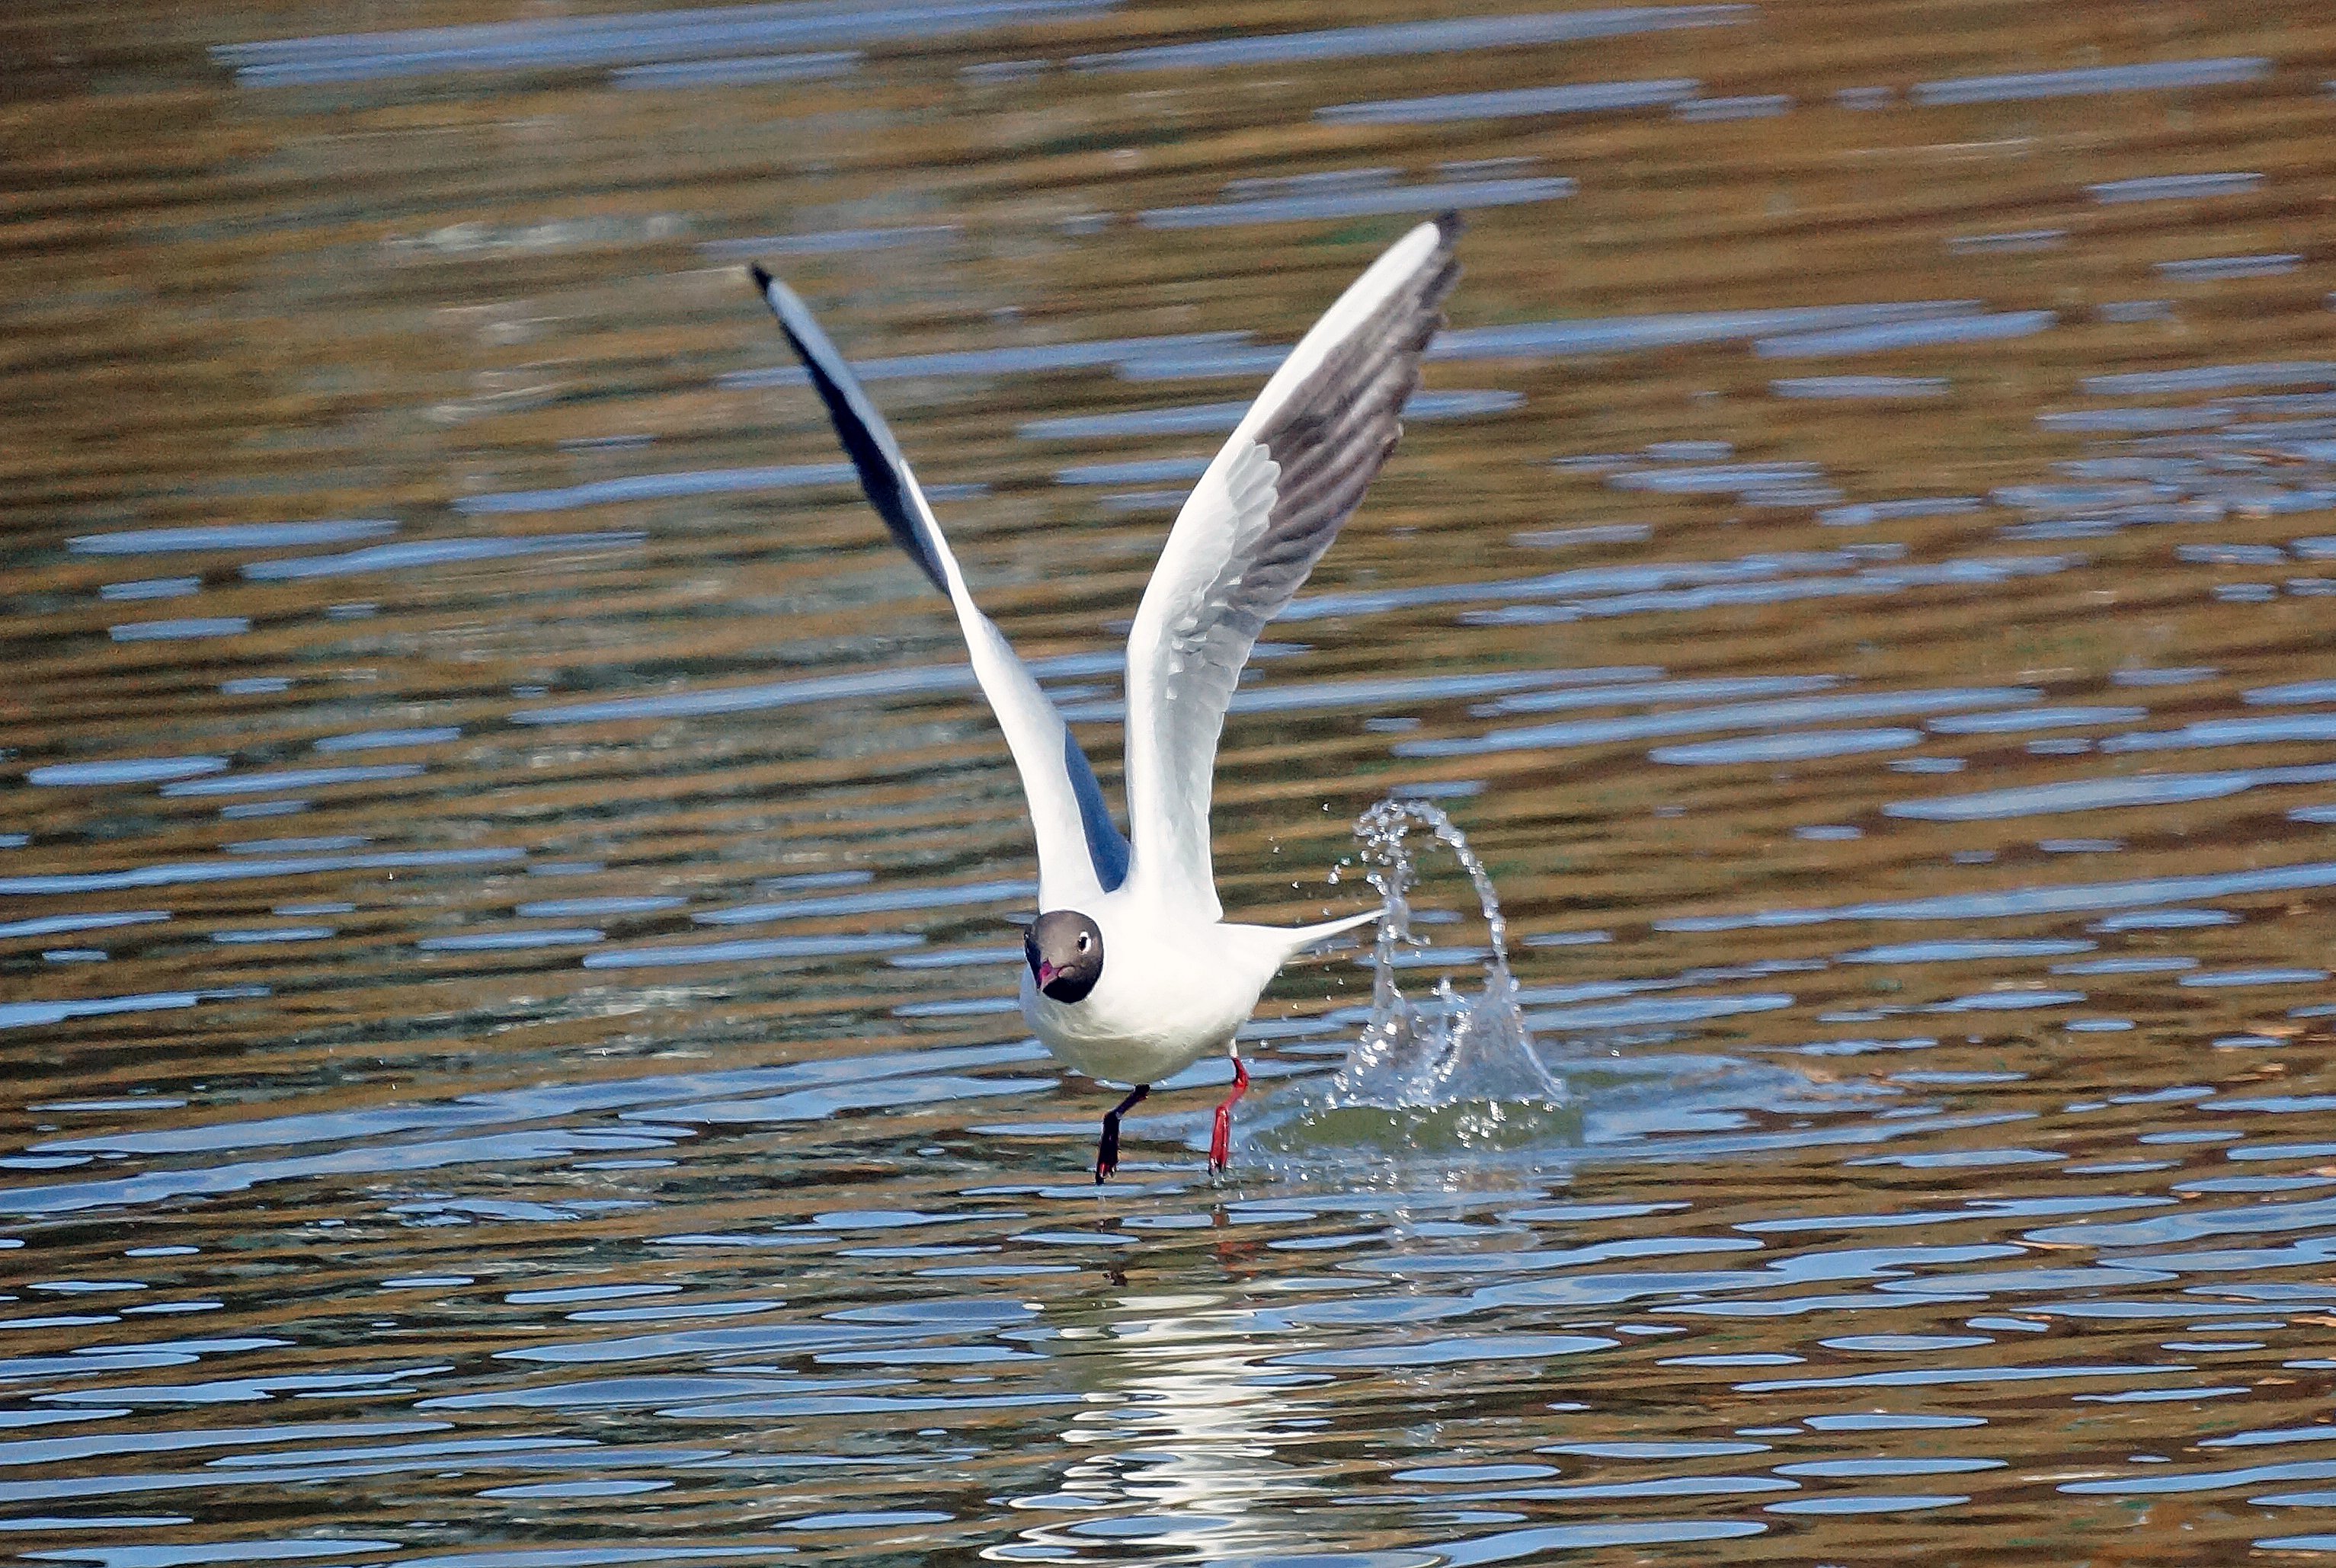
(1132, 972)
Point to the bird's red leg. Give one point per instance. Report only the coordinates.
(1220, 1136)
(1107, 1150)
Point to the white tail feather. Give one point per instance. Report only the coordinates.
(1300, 937)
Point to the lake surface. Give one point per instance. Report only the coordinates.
(507, 885)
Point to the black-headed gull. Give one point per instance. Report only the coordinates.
(1132, 971)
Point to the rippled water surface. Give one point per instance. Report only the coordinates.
(507, 881)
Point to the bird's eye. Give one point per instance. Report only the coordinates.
(1083, 943)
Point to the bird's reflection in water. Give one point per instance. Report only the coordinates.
(1180, 1448)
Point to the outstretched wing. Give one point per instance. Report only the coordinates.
(1255, 524)
(1080, 853)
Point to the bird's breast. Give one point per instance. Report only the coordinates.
(1157, 1008)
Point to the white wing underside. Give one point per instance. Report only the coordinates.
(1264, 511)
(1081, 855)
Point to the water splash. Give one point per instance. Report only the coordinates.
(1454, 1070)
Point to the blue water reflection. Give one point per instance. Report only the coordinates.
(600, 1107)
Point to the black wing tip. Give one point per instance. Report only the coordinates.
(1449, 225)
(761, 278)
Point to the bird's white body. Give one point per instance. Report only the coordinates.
(1172, 979)
(1198, 983)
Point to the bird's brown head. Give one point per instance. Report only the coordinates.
(1065, 952)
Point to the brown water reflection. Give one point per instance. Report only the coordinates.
(506, 888)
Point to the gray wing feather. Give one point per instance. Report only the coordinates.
(867, 439)
(1257, 523)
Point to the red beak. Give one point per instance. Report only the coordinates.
(1047, 973)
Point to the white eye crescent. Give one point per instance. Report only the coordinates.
(1083, 943)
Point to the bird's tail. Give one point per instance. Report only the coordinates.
(1300, 937)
